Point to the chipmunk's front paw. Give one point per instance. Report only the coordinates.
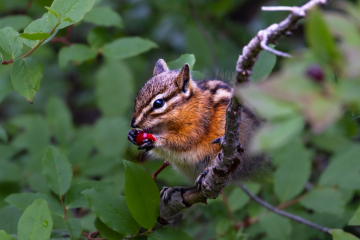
(132, 135)
(198, 181)
(166, 193)
(146, 144)
(142, 139)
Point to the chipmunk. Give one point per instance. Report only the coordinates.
(185, 117)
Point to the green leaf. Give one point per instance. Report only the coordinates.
(74, 228)
(10, 42)
(53, 12)
(339, 234)
(114, 85)
(263, 66)
(34, 36)
(57, 170)
(112, 210)
(75, 199)
(72, 9)
(98, 37)
(142, 195)
(59, 119)
(41, 25)
(274, 135)
(325, 200)
(9, 218)
(5, 236)
(3, 135)
(26, 76)
(343, 170)
(110, 136)
(127, 47)
(343, 26)
(108, 233)
(331, 140)
(99, 165)
(37, 183)
(17, 22)
(5, 86)
(355, 220)
(196, 75)
(169, 233)
(238, 199)
(104, 16)
(265, 105)
(36, 222)
(319, 38)
(348, 91)
(24, 200)
(76, 53)
(294, 171)
(276, 227)
(180, 62)
(34, 138)
(10, 171)
(81, 145)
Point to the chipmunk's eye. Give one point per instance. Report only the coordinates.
(158, 103)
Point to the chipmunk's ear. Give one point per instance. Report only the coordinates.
(183, 79)
(160, 67)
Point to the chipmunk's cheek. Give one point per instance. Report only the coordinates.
(159, 141)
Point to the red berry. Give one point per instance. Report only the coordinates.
(315, 73)
(151, 137)
(143, 135)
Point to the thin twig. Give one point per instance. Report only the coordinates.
(264, 44)
(228, 209)
(61, 39)
(65, 39)
(279, 8)
(282, 213)
(34, 48)
(253, 220)
(291, 202)
(64, 207)
(162, 167)
(28, 5)
(92, 236)
(69, 31)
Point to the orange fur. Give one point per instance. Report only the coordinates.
(192, 117)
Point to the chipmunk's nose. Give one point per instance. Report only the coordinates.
(132, 124)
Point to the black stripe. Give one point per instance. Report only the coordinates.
(220, 86)
(222, 101)
(152, 109)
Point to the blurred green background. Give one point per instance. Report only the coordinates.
(86, 108)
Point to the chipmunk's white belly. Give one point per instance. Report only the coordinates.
(184, 163)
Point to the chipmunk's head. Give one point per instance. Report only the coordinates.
(162, 98)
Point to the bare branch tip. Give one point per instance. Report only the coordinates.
(277, 8)
(276, 52)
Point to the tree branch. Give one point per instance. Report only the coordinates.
(282, 213)
(64, 207)
(65, 39)
(227, 160)
(28, 5)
